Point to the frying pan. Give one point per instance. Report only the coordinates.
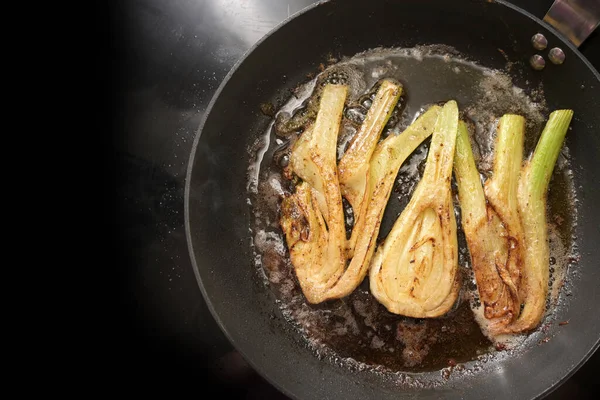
(218, 218)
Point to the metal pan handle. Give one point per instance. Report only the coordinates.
(575, 19)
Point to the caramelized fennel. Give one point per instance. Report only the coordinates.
(415, 271)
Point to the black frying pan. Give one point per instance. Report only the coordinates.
(218, 217)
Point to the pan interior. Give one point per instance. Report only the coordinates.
(357, 332)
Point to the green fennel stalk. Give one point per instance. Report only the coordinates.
(533, 189)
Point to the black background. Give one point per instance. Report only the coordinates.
(165, 61)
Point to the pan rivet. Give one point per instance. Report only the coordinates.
(556, 55)
(539, 41)
(537, 62)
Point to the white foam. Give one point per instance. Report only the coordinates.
(265, 241)
(261, 144)
(508, 341)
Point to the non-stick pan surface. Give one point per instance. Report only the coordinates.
(218, 218)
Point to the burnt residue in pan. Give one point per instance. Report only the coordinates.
(357, 328)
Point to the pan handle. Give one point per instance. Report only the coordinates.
(575, 19)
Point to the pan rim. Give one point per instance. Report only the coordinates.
(187, 189)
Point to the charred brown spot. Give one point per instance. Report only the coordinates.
(422, 242)
(304, 230)
(267, 109)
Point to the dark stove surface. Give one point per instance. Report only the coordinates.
(169, 57)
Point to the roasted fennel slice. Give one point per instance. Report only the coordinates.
(415, 271)
(354, 165)
(532, 195)
(493, 227)
(383, 168)
(312, 218)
